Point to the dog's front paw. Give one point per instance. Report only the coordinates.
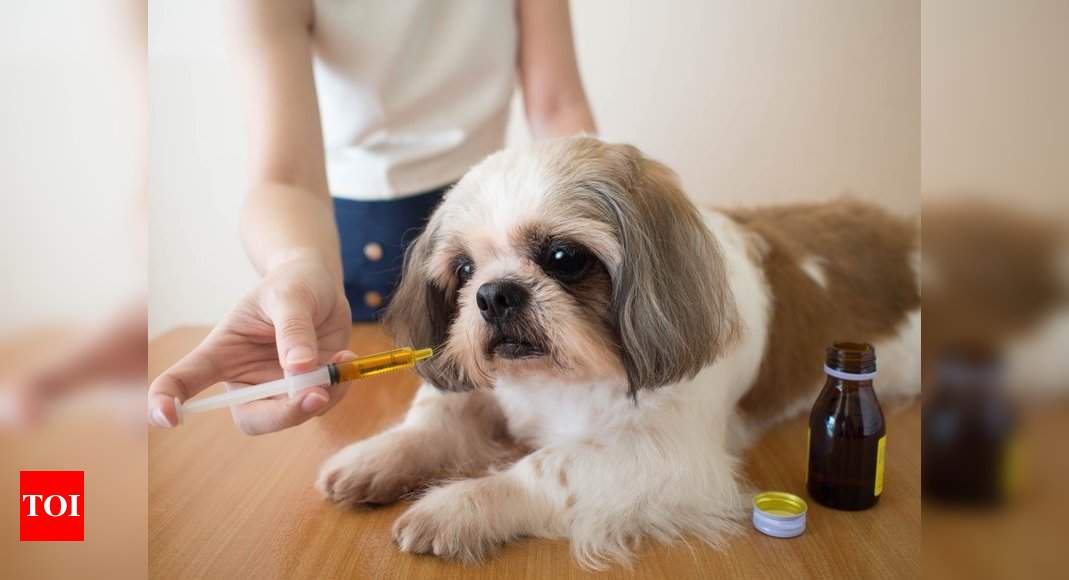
(460, 521)
(379, 470)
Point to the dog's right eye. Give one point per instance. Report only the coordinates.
(566, 262)
(465, 270)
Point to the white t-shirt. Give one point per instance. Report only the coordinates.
(411, 92)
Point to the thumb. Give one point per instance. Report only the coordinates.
(295, 336)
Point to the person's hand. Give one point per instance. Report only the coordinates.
(297, 319)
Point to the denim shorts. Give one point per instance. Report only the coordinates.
(374, 236)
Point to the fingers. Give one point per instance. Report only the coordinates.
(337, 392)
(295, 334)
(191, 375)
(343, 356)
(270, 415)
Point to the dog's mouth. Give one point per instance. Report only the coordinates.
(511, 347)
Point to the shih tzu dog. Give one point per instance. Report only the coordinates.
(605, 349)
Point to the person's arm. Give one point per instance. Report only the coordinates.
(553, 94)
(287, 213)
(297, 317)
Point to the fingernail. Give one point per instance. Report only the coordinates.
(299, 354)
(313, 402)
(160, 419)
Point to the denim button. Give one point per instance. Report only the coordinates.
(372, 299)
(373, 251)
(373, 236)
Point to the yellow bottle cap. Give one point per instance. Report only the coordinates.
(779, 514)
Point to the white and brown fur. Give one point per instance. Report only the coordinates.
(689, 332)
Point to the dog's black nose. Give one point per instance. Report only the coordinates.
(500, 299)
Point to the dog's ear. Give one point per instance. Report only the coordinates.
(420, 313)
(673, 310)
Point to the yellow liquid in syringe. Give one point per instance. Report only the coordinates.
(376, 364)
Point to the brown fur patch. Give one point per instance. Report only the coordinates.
(867, 258)
(991, 273)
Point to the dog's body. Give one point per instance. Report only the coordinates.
(586, 313)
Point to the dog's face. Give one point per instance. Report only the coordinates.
(572, 260)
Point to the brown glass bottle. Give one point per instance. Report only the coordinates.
(969, 429)
(847, 436)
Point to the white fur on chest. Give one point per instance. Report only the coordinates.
(544, 411)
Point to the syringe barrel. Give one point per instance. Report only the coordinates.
(244, 395)
(377, 364)
(331, 374)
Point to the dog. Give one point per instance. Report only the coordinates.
(604, 351)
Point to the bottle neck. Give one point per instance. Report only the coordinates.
(861, 375)
(851, 361)
(849, 380)
(848, 385)
(850, 365)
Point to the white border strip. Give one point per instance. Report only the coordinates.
(849, 376)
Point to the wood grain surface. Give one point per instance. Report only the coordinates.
(226, 505)
(100, 431)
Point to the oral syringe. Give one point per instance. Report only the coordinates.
(332, 374)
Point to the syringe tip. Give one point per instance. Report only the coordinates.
(422, 354)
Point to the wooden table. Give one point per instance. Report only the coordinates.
(90, 431)
(225, 505)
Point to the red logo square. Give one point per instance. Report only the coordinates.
(51, 506)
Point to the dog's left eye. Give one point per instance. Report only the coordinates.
(465, 270)
(565, 262)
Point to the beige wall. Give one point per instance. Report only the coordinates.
(996, 101)
(763, 101)
(71, 162)
(751, 102)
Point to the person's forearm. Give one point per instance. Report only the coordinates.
(288, 213)
(562, 119)
(553, 94)
(282, 222)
